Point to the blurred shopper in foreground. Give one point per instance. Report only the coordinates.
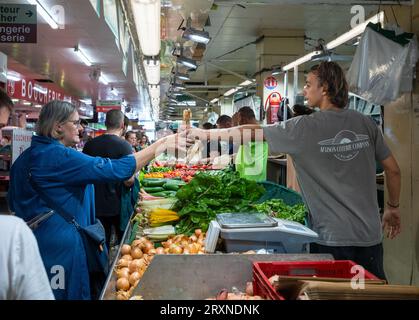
(66, 177)
(23, 275)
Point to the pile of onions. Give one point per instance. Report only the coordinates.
(131, 266)
(135, 258)
(182, 244)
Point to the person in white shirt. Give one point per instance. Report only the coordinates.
(23, 275)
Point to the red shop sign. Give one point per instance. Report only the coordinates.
(25, 90)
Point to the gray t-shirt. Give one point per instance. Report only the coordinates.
(335, 154)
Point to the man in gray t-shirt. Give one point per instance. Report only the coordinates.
(335, 153)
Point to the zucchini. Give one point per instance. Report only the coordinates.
(153, 189)
(159, 194)
(153, 183)
(172, 187)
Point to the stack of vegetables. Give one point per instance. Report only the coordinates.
(211, 193)
(161, 187)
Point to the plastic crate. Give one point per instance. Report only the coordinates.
(276, 191)
(262, 271)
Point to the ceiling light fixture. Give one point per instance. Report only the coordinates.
(354, 32)
(190, 63)
(182, 76)
(301, 60)
(230, 92)
(152, 70)
(114, 92)
(82, 56)
(246, 83)
(103, 79)
(147, 20)
(178, 86)
(44, 14)
(215, 100)
(196, 35)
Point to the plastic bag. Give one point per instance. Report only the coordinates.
(383, 65)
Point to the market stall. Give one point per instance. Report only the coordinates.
(181, 214)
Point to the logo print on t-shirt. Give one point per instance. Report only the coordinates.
(345, 145)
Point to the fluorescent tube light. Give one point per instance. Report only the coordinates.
(114, 92)
(82, 56)
(44, 14)
(230, 92)
(245, 83)
(359, 29)
(152, 71)
(190, 63)
(147, 21)
(13, 76)
(196, 35)
(103, 79)
(214, 100)
(182, 76)
(301, 60)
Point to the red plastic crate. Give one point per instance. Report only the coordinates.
(262, 271)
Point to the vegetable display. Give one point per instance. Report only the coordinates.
(208, 194)
(278, 209)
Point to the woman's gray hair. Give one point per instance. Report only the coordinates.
(52, 113)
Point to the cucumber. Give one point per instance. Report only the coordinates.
(159, 194)
(153, 189)
(172, 187)
(153, 183)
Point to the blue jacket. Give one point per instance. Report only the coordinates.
(67, 176)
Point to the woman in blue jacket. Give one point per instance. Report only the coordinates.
(67, 177)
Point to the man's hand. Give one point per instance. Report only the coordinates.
(391, 222)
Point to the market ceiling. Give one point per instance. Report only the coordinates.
(234, 28)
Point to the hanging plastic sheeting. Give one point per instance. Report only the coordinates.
(383, 65)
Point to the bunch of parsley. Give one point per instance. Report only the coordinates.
(208, 194)
(279, 209)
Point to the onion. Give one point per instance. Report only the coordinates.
(198, 232)
(166, 250)
(122, 295)
(176, 250)
(135, 265)
(136, 253)
(148, 246)
(186, 251)
(200, 242)
(126, 249)
(123, 263)
(152, 251)
(184, 243)
(135, 243)
(134, 277)
(168, 243)
(123, 273)
(192, 249)
(193, 238)
(143, 240)
(160, 250)
(126, 257)
(122, 284)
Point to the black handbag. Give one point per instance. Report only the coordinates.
(93, 236)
